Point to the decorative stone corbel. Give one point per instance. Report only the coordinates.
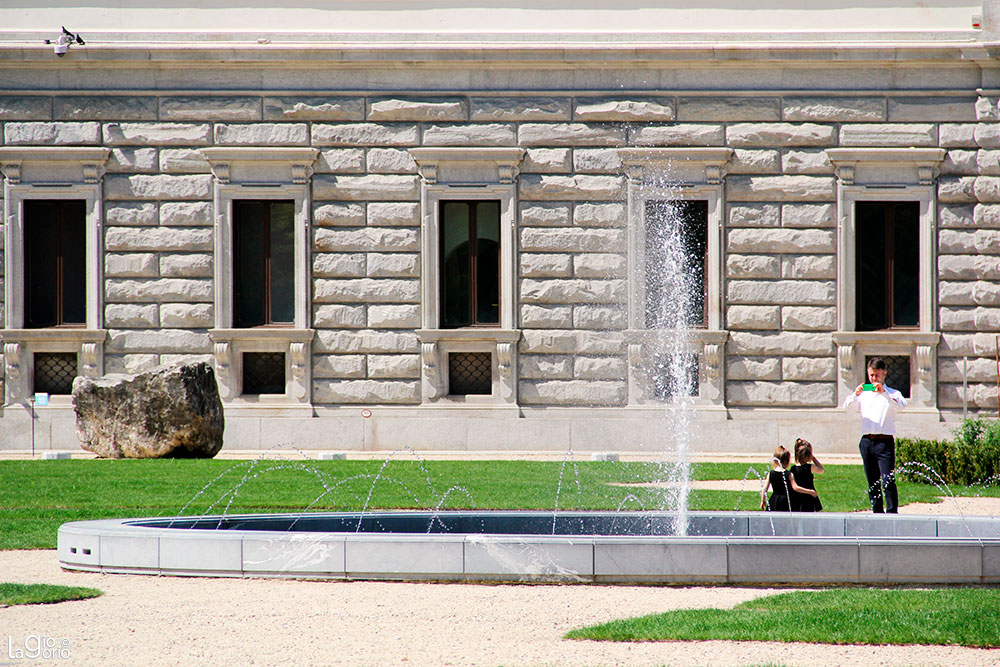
(428, 172)
(505, 357)
(15, 381)
(224, 369)
(432, 376)
(845, 357)
(298, 354)
(221, 172)
(301, 173)
(845, 172)
(713, 361)
(713, 174)
(926, 174)
(925, 361)
(90, 361)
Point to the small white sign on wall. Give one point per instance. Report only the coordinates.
(41, 399)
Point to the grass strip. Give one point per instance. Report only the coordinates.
(11, 594)
(947, 616)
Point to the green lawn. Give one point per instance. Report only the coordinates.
(42, 593)
(950, 616)
(38, 496)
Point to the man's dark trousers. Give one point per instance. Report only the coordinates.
(878, 452)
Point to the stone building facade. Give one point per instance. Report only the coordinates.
(789, 140)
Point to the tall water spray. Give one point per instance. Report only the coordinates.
(675, 302)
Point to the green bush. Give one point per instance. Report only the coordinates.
(972, 457)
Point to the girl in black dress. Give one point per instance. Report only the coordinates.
(803, 472)
(782, 484)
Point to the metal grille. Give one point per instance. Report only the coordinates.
(54, 372)
(897, 373)
(263, 373)
(470, 373)
(665, 385)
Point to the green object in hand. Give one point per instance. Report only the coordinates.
(867, 387)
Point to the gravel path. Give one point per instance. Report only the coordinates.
(144, 620)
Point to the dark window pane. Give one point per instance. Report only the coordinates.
(74, 264)
(55, 263)
(249, 252)
(456, 270)
(906, 265)
(488, 263)
(282, 271)
(872, 277)
(676, 256)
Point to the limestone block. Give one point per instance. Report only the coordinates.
(394, 366)
(808, 215)
(131, 316)
(599, 265)
(600, 215)
(183, 161)
(927, 108)
(718, 108)
(597, 161)
(983, 241)
(340, 161)
(742, 343)
(547, 161)
(187, 315)
(120, 215)
(782, 239)
(966, 163)
(575, 239)
(262, 134)
(541, 341)
(485, 134)
(366, 239)
(418, 109)
(519, 108)
(599, 368)
(785, 292)
(834, 109)
(159, 186)
(973, 293)
(575, 188)
(393, 214)
(765, 318)
(546, 317)
(164, 290)
(600, 317)
(780, 188)
(363, 290)
(966, 344)
(365, 134)
(130, 265)
(987, 135)
(130, 363)
(572, 392)
(753, 368)
(371, 187)
(764, 135)
(545, 265)
(806, 162)
(963, 267)
(954, 216)
(545, 215)
(804, 267)
(809, 369)
(157, 134)
(754, 161)
(546, 367)
(181, 214)
(366, 391)
(159, 341)
(346, 366)
(25, 107)
(754, 215)
(572, 291)
(365, 341)
(570, 134)
(985, 215)
(394, 317)
(970, 163)
(186, 265)
(974, 396)
(979, 318)
(174, 359)
(393, 265)
(212, 107)
(624, 109)
(753, 266)
(132, 161)
(343, 215)
(339, 265)
(976, 370)
(683, 134)
(808, 318)
(957, 135)
(158, 238)
(957, 189)
(338, 316)
(791, 394)
(51, 134)
(314, 108)
(601, 343)
(390, 161)
(888, 134)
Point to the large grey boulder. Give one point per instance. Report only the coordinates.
(167, 412)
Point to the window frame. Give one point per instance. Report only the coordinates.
(473, 266)
(890, 287)
(60, 280)
(269, 321)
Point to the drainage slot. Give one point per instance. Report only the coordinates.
(72, 550)
(86, 552)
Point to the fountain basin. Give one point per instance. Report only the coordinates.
(595, 547)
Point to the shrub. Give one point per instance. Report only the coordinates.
(931, 453)
(972, 457)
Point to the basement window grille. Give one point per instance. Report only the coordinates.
(470, 373)
(54, 372)
(263, 373)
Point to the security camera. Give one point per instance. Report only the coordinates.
(67, 38)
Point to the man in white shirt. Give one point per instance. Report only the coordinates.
(878, 406)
